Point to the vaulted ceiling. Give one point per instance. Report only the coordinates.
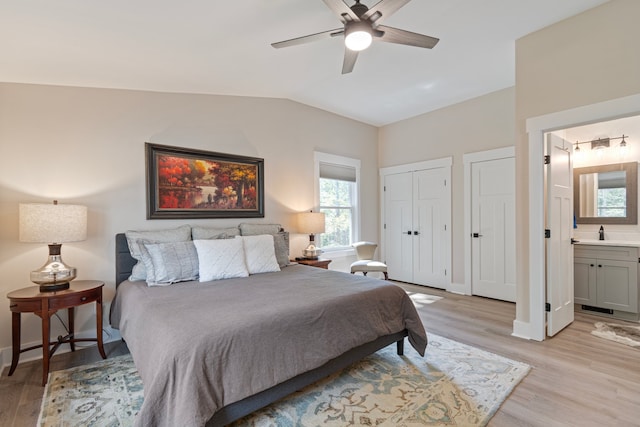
(216, 47)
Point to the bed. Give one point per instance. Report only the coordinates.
(210, 353)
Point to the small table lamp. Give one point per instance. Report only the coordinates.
(53, 224)
(311, 223)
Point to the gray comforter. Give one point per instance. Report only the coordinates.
(201, 346)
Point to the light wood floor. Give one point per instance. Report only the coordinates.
(577, 379)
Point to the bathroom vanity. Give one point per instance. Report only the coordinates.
(606, 278)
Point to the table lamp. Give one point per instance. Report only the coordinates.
(311, 223)
(53, 224)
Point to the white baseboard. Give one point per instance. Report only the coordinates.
(521, 330)
(108, 335)
(458, 288)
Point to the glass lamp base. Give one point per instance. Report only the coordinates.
(54, 275)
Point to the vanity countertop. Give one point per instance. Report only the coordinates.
(630, 243)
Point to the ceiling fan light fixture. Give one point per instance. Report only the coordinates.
(358, 36)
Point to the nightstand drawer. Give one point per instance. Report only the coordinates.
(73, 300)
(25, 306)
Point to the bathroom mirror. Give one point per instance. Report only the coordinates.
(606, 194)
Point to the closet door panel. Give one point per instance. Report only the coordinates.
(429, 223)
(399, 226)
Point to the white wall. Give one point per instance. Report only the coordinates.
(86, 146)
(587, 59)
(483, 123)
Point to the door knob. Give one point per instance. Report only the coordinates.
(415, 233)
(409, 232)
(476, 235)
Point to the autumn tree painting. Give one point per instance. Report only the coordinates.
(203, 183)
(235, 184)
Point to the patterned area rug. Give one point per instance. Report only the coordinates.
(453, 385)
(624, 334)
(106, 393)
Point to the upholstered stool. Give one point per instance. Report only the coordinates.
(366, 263)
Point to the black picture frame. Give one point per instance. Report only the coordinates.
(185, 183)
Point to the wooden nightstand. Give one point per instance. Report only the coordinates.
(320, 263)
(45, 305)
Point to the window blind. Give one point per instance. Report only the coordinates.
(339, 172)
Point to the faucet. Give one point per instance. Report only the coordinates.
(601, 233)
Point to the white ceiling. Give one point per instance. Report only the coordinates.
(216, 47)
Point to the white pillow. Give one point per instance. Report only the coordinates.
(220, 259)
(168, 263)
(135, 240)
(259, 253)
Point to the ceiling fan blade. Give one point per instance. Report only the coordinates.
(340, 8)
(350, 57)
(383, 9)
(308, 39)
(395, 35)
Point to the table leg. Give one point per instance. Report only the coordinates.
(70, 317)
(46, 320)
(99, 327)
(15, 341)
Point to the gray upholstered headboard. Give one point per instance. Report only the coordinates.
(124, 260)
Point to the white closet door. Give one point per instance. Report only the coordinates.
(493, 229)
(430, 228)
(398, 196)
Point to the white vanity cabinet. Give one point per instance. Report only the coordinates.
(606, 279)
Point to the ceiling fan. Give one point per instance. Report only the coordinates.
(361, 26)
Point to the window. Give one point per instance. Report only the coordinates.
(337, 198)
(612, 202)
(612, 194)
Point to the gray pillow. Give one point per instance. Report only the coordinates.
(205, 233)
(247, 229)
(168, 263)
(281, 245)
(135, 240)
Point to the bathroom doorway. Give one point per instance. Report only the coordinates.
(536, 128)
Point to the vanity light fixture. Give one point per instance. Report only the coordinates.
(623, 147)
(577, 153)
(601, 144)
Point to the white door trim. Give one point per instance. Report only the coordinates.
(536, 127)
(468, 159)
(411, 167)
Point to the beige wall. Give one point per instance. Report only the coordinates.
(483, 123)
(586, 59)
(86, 146)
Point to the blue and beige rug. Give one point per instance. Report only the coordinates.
(453, 385)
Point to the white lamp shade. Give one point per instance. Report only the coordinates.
(311, 222)
(52, 223)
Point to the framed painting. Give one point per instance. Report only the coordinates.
(186, 183)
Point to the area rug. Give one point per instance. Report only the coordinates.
(453, 385)
(624, 334)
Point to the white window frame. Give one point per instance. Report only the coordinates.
(333, 159)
